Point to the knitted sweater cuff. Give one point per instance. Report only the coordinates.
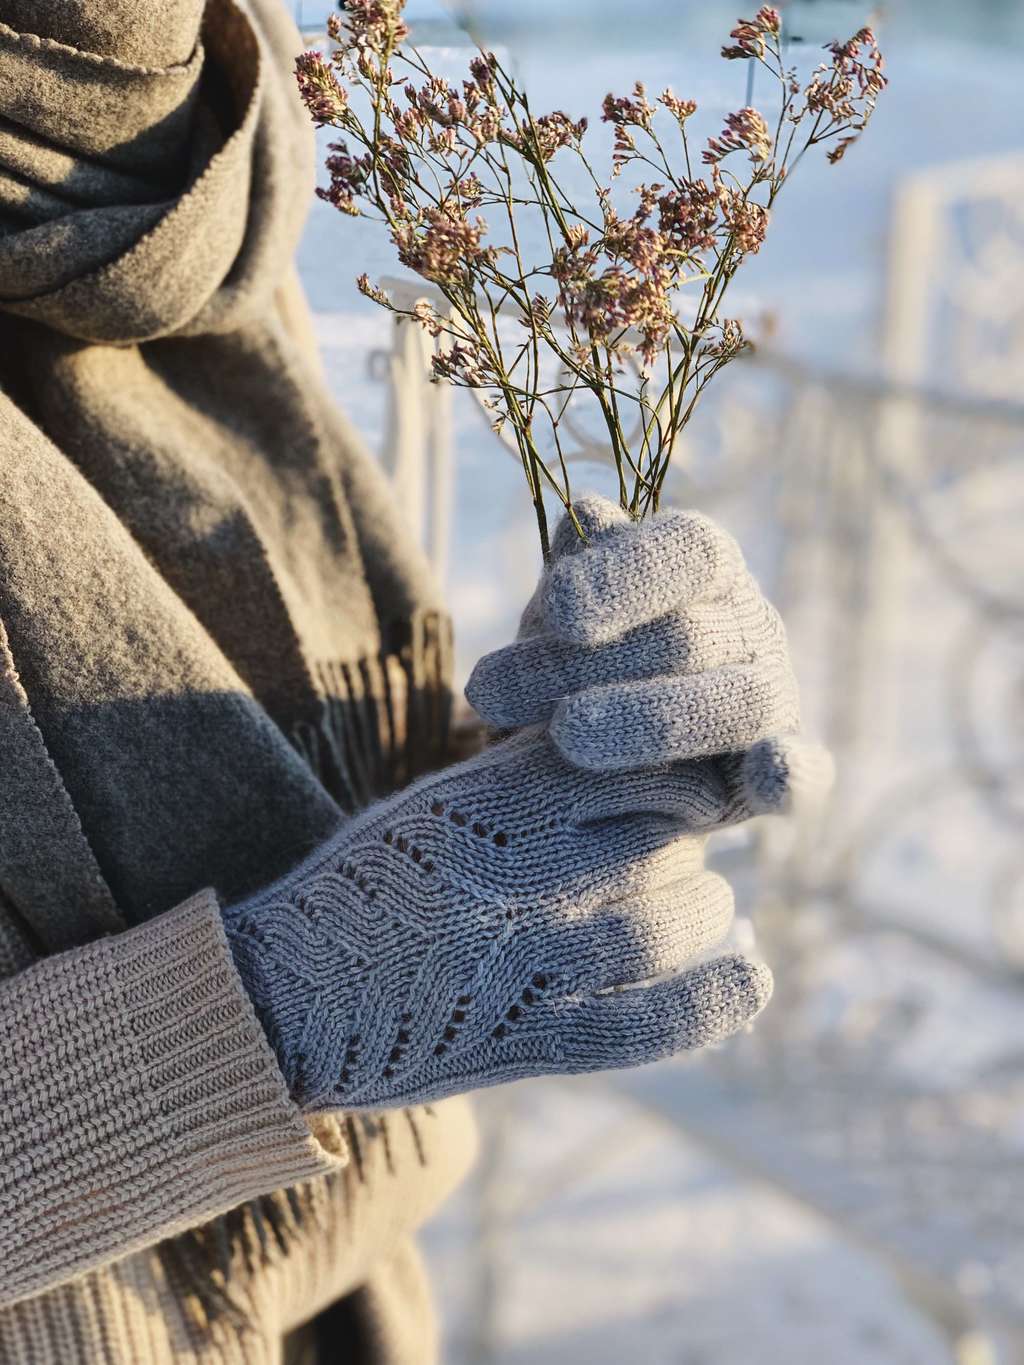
(138, 1097)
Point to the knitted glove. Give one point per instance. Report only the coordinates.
(650, 644)
(473, 929)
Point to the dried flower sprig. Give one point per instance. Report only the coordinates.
(462, 176)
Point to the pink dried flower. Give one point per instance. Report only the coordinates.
(847, 89)
(623, 149)
(542, 307)
(373, 25)
(648, 196)
(434, 101)
(468, 190)
(729, 343)
(443, 140)
(437, 154)
(839, 150)
(572, 268)
(625, 112)
(349, 177)
(372, 291)
(427, 318)
(548, 133)
(320, 89)
(463, 364)
(850, 51)
(746, 220)
(681, 110)
(482, 70)
(745, 130)
(409, 123)
(688, 216)
(752, 35)
(643, 247)
(484, 127)
(446, 250)
(616, 301)
(632, 292)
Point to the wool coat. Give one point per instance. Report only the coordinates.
(215, 644)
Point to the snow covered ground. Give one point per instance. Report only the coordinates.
(599, 1228)
(624, 1241)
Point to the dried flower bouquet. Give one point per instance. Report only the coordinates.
(622, 309)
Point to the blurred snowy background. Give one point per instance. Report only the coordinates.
(846, 1184)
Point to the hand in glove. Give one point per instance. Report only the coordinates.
(472, 929)
(652, 644)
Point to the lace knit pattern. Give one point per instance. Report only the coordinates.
(474, 929)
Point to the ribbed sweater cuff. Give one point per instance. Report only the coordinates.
(138, 1097)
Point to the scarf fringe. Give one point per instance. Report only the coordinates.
(383, 722)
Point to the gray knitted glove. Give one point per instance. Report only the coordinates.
(472, 930)
(651, 644)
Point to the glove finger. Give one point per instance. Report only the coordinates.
(657, 721)
(693, 794)
(704, 1005)
(595, 515)
(787, 774)
(618, 943)
(781, 775)
(632, 941)
(522, 683)
(636, 573)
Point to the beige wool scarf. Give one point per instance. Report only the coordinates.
(215, 642)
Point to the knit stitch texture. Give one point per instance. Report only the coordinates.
(474, 930)
(651, 643)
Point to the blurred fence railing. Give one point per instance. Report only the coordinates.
(885, 1086)
(885, 516)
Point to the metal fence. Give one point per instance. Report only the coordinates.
(885, 1086)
